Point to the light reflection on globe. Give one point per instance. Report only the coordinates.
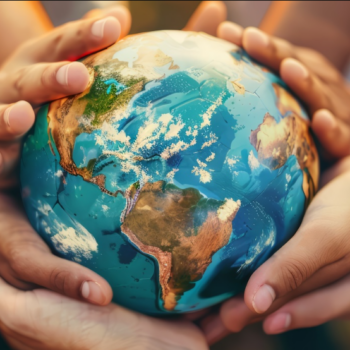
(178, 172)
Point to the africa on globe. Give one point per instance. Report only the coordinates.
(179, 170)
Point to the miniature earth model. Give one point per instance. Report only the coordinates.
(179, 171)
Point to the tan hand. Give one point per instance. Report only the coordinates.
(310, 75)
(316, 256)
(44, 320)
(40, 70)
(27, 262)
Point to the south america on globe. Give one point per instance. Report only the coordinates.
(179, 170)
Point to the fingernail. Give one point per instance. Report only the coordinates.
(263, 298)
(19, 117)
(98, 27)
(259, 37)
(296, 68)
(213, 329)
(279, 323)
(62, 74)
(7, 116)
(328, 118)
(92, 292)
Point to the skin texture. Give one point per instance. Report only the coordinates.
(44, 320)
(25, 260)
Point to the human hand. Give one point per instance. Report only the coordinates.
(27, 262)
(41, 319)
(40, 71)
(310, 75)
(316, 256)
(207, 17)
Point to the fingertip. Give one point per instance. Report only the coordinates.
(277, 323)
(77, 76)
(207, 17)
(213, 328)
(323, 120)
(293, 71)
(254, 40)
(112, 29)
(231, 32)
(233, 314)
(96, 292)
(19, 118)
(123, 15)
(333, 134)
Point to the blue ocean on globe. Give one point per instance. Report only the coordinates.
(180, 170)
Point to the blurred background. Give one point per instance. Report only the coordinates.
(292, 20)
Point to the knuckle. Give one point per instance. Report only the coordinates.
(18, 260)
(48, 76)
(61, 280)
(18, 81)
(294, 272)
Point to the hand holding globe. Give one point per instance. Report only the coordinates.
(175, 174)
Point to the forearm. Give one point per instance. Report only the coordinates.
(20, 21)
(323, 26)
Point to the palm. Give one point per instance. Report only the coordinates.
(42, 319)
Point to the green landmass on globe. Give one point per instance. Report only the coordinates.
(202, 161)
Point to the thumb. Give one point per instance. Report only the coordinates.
(288, 268)
(321, 240)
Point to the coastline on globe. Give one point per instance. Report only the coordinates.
(179, 170)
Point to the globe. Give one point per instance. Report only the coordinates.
(179, 170)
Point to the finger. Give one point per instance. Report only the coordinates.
(207, 17)
(306, 85)
(231, 32)
(43, 82)
(31, 260)
(61, 276)
(213, 329)
(333, 133)
(15, 120)
(7, 274)
(265, 49)
(74, 40)
(312, 309)
(280, 56)
(236, 315)
(320, 241)
(121, 13)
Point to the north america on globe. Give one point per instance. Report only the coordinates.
(179, 170)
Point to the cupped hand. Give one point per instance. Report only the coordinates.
(40, 70)
(44, 320)
(310, 75)
(317, 255)
(27, 262)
